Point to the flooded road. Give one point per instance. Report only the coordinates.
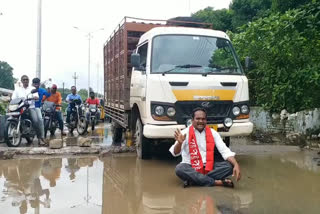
(287, 182)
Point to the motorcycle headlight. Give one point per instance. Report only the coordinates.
(171, 111)
(83, 108)
(159, 110)
(13, 107)
(244, 109)
(93, 110)
(236, 111)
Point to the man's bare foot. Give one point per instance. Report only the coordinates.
(225, 183)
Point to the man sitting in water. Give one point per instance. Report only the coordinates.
(206, 160)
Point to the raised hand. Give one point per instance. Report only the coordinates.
(178, 136)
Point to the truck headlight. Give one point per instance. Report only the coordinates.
(159, 110)
(244, 109)
(236, 111)
(189, 122)
(228, 122)
(171, 111)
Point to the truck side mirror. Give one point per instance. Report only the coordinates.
(248, 63)
(135, 60)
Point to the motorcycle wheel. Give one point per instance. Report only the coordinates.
(93, 123)
(46, 127)
(53, 131)
(82, 126)
(12, 136)
(29, 140)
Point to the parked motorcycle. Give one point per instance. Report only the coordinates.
(50, 121)
(77, 117)
(18, 124)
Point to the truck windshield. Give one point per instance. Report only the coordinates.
(193, 54)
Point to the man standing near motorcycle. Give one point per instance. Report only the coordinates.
(70, 97)
(41, 93)
(57, 99)
(23, 92)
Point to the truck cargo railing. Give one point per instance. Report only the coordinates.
(169, 22)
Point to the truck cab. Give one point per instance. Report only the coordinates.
(176, 69)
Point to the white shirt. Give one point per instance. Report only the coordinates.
(202, 145)
(21, 92)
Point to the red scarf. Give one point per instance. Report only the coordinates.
(195, 156)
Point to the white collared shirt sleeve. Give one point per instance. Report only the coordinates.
(221, 146)
(15, 94)
(171, 150)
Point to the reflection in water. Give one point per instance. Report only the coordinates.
(125, 184)
(24, 181)
(151, 187)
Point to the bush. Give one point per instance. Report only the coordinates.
(286, 51)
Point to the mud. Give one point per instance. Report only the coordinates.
(284, 182)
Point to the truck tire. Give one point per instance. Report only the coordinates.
(143, 145)
(227, 141)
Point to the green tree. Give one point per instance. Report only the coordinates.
(83, 94)
(286, 51)
(284, 5)
(220, 19)
(6, 81)
(245, 11)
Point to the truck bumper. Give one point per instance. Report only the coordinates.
(156, 131)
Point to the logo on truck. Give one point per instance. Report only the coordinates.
(205, 104)
(206, 97)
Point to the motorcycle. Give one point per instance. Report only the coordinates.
(18, 124)
(77, 117)
(93, 112)
(50, 121)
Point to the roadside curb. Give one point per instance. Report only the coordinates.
(11, 153)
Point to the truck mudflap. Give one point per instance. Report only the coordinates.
(158, 132)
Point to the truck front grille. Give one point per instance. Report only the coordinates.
(216, 110)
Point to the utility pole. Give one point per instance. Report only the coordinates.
(89, 35)
(98, 79)
(75, 77)
(38, 60)
(63, 89)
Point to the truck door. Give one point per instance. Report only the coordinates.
(138, 77)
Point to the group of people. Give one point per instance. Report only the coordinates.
(39, 95)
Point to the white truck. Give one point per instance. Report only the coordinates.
(157, 72)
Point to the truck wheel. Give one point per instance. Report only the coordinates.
(227, 141)
(143, 146)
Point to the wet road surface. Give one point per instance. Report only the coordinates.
(286, 182)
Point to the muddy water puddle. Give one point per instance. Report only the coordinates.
(278, 183)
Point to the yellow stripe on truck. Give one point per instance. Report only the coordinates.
(207, 94)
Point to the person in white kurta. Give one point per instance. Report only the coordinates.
(225, 163)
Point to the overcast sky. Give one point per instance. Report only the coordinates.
(64, 48)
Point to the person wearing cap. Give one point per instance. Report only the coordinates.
(57, 99)
(41, 93)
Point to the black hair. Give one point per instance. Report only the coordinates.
(36, 80)
(23, 76)
(198, 109)
(91, 92)
(73, 87)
